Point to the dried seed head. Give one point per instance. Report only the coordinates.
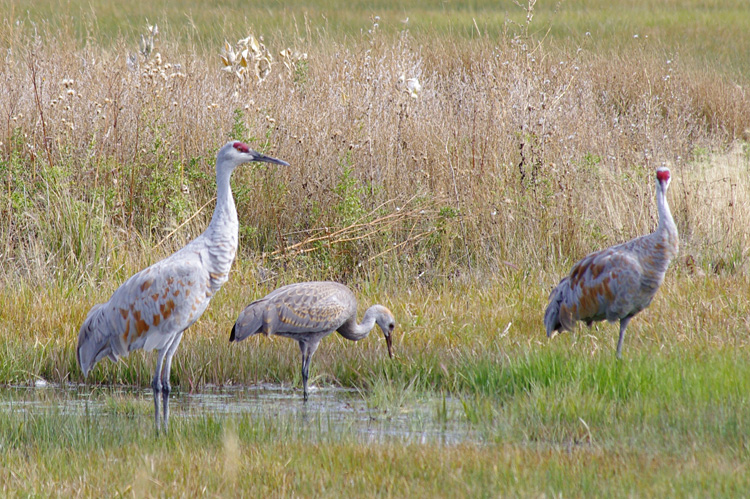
(413, 87)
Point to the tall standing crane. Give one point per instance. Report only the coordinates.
(617, 282)
(154, 307)
(308, 312)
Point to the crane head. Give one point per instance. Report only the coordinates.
(387, 324)
(236, 153)
(663, 177)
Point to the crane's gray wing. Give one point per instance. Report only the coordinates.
(295, 309)
(600, 286)
(145, 311)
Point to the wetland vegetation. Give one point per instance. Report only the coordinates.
(531, 141)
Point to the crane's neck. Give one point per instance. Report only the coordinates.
(355, 332)
(224, 223)
(221, 237)
(666, 222)
(660, 246)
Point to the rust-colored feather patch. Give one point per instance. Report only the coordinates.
(127, 330)
(596, 270)
(141, 327)
(166, 310)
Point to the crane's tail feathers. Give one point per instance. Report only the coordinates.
(93, 340)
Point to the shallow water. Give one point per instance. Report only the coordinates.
(328, 410)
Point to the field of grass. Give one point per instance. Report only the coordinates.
(713, 33)
(531, 143)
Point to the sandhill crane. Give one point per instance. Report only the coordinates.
(617, 282)
(308, 312)
(153, 308)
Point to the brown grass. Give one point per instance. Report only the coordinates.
(515, 153)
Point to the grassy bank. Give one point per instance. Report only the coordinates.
(446, 336)
(267, 459)
(560, 423)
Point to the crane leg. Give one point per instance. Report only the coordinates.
(156, 385)
(166, 387)
(307, 349)
(623, 326)
(303, 347)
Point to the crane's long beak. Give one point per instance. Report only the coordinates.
(268, 159)
(389, 342)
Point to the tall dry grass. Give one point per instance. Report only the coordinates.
(514, 154)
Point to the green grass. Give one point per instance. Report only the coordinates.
(561, 423)
(556, 417)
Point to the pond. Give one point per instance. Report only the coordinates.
(329, 409)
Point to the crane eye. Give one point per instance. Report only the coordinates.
(391, 326)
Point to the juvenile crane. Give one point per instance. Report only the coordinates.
(617, 282)
(154, 307)
(308, 312)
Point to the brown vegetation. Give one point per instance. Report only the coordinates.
(512, 155)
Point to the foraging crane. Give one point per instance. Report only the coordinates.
(617, 282)
(154, 307)
(308, 312)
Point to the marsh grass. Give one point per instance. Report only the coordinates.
(670, 417)
(650, 424)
